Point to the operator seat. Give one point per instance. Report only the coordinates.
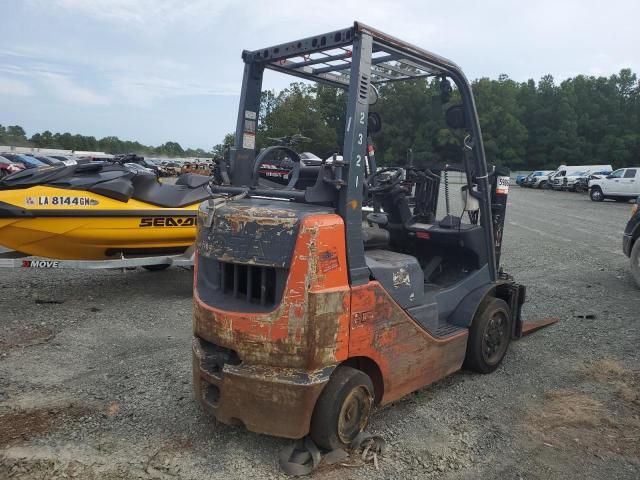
(450, 236)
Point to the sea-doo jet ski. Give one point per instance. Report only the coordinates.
(98, 210)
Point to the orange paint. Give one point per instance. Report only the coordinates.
(408, 357)
(315, 304)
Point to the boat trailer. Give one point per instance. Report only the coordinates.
(13, 259)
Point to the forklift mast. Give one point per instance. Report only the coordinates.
(353, 59)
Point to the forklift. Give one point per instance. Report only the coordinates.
(316, 300)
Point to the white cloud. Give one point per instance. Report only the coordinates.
(66, 89)
(12, 87)
(142, 88)
(155, 13)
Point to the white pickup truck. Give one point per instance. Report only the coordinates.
(621, 185)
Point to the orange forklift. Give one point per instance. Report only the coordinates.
(342, 289)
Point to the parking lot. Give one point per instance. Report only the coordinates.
(95, 373)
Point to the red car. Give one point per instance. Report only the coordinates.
(7, 167)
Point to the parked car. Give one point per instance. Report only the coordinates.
(565, 176)
(521, 178)
(7, 167)
(159, 165)
(172, 168)
(143, 162)
(47, 160)
(67, 160)
(136, 167)
(537, 179)
(582, 183)
(630, 243)
(621, 185)
(27, 160)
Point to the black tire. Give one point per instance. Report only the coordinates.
(635, 261)
(156, 268)
(543, 184)
(343, 408)
(596, 194)
(489, 336)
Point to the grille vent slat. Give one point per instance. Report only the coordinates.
(256, 284)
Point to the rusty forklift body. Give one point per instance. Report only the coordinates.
(291, 288)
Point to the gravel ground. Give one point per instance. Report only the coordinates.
(95, 373)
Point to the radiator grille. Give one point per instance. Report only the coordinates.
(239, 286)
(254, 284)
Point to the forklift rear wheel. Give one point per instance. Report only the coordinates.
(343, 408)
(489, 336)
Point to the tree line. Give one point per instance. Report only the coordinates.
(15, 135)
(526, 125)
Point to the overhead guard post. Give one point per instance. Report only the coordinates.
(355, 144)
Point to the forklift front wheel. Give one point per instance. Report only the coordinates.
(489, 336)
(343, 408)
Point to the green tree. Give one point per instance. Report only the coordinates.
(219, 149)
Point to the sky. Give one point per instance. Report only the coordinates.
(170, 70)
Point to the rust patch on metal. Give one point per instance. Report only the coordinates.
(265, 399)
(286, 354)
(308, 326)
(408, 357)
(244, 233)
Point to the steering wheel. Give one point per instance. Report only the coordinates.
(294, 174)
(376, 183)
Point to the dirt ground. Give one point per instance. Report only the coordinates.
(95, 377)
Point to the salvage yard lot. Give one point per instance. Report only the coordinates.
(95, 373)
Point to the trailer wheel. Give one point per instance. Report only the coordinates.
(635, 261)
(489, 336)
(343, 408)
(596, 194)
(156, 268)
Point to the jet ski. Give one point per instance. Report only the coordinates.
(98, 210)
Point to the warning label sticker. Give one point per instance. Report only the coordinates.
(249, 141)
(502, 186)
(249, 114)
(250, 126)
(328, 261)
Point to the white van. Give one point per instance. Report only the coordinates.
(621, 185)
(564, 178)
